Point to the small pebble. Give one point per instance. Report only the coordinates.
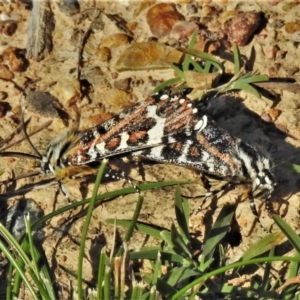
(292, 27)
(241, 27)
(162, 17)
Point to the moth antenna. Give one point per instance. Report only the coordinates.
(283, 161)
(255, 212)
(28, 189)
(12, 135)
(84, 40)
(25, 132)
(30, 134)
(20, 177)
(77, 117)
(18, 154)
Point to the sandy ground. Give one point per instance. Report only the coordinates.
(241, 114)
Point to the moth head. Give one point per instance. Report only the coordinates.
(264, 183)
(258, 168)
(45, 165)
(59, 147)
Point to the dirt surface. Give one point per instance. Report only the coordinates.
(109, 83)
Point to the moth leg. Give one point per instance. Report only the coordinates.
(64, 190)
(210, 194)
(227, 186)
(255, 212)
(268, 206)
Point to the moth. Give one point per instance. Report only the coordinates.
(166, 127)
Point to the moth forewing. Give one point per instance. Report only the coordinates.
(155, 121)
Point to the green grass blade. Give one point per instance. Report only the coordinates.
(237, 59)
(181, 217)
(167, 83)
(107, 282)
(15, 245)
(254, 79)
(86, 227)
(39, 263)
(292, 167)
(135, 217)
(178, 71)
(239, 85)
(207, 68)
(146, 229)
(10, 279)
(109, 196)
(101, 271)
(179, 294)
(292, 236)
(154, 295)
(17, 279)
(166, 236)
(187, 59)
(204, 56)
(193, 40)
(267, 273)
(180, 247)
(22, 261)
(13, 261)
(132, 224)
(33, 253)
(149, 254)
(179, 274)
(157, 269)
(197, 67)
(137, 291)
(289, 292)
(262, 246)
(165, 289)
(47, 275)
(218, 231)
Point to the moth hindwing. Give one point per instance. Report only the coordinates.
(211, 150)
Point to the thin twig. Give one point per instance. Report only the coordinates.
(83, 42)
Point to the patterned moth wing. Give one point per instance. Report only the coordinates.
(211, 150)
(160, 119)
(214, 152)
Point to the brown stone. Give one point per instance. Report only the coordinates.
(183, 29)
(10, 28)
(241, 27)
(4, 107)
(143, 56)
(115, 40)
(15, 59)
(104, 54)
(5, 73)
(114, 100)
(292, 27)
(162, 17)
